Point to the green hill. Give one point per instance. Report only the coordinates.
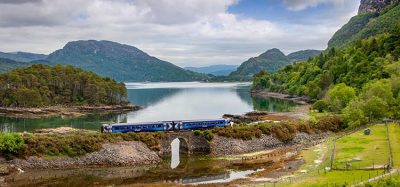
(43, 85)
(270, 61)
(363, 58)
(22, 56)
(367, 24)
(8, 64)
(120, 62)
(303, 55)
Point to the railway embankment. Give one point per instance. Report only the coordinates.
(63, 148)
(222, 146)
(125, 153)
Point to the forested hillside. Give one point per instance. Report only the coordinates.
(270, 61)
(8, 64)
(367, 24)
(42, 85)
(361, 81)
(120, 62)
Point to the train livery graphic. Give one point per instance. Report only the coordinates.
(165, 126)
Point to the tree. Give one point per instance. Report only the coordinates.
(320, 105)
(381, 89)
(312, 90)
(339, 96)
(376, 108)
(354, 114)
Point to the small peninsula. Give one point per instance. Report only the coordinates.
(43, 91)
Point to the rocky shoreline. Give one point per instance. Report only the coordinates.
(126, 153)
(68, 111)
(134, 153)
(222, 146)
(299, 100)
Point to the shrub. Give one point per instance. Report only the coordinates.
(330, 123)
(197, 132)
(320, 105)
(10, 143)
(208, 135)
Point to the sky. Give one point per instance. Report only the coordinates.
(183, 32)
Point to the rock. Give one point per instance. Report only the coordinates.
(374, 6)
(4, 169)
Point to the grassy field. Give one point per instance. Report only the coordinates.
(394, 135)
(359, 151)
(371, 149)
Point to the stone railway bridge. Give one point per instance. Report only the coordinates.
(189, 143)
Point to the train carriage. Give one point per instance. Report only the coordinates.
(164, 126)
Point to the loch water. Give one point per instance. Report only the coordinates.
(164, 101)
(160, 101)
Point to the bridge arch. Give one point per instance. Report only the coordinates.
(189, 143)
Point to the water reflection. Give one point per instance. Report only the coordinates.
(175, 154)
(194, 170)
(272, 104)
(165, 101)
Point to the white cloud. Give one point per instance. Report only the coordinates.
(185, 32)
(297, 5)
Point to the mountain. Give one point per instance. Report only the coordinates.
(374, 17)
(270, 61)
(217, 70)
(303, 55)
(8, 64)
(22, 56)
(120, 62)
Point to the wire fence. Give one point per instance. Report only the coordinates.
(356, 180)
(368, 170)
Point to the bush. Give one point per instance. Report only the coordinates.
(330, 123)
(208, 135)
(197, 132)
(10, 143)
(320, 105)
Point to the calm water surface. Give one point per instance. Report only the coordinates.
(179, 168)
(165, 101)
(161, 101)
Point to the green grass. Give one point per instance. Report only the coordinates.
(394, 135)
(371, 149)
(337, 178)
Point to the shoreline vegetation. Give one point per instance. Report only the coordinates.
(64, 111)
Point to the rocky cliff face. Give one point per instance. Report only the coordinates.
(374, 6)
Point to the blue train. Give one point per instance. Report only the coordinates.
(165, 126)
